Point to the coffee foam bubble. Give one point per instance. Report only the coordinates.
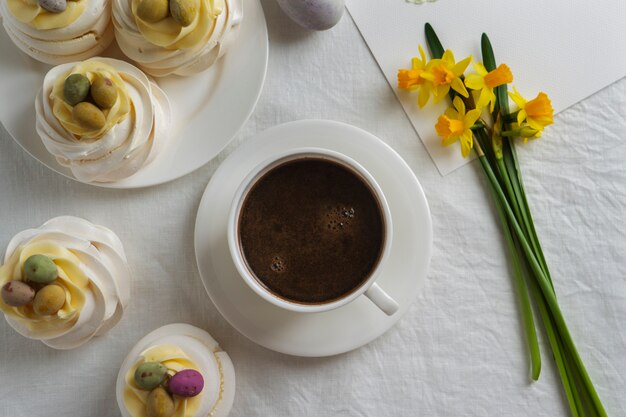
(339, 218)
(278, 264)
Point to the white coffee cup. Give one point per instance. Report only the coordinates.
(368, 288)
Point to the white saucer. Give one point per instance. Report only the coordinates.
(351, 326)
(208, 108)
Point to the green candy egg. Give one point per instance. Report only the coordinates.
(76, 89)
(40, 269)
(149, 375)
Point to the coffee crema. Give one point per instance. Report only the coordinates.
(311, 230)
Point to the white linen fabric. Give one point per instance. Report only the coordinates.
(459, 351)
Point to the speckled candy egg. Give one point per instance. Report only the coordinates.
(314, 14)
(186, 383)
(159, 403)
(149, 375)
(40, 269)
(49, 300)
(17, 293)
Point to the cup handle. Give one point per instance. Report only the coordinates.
(382, 300)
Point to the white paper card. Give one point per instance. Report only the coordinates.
(568, 48)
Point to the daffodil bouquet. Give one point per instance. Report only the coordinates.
(481, 119)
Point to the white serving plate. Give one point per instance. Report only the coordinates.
(209, 108)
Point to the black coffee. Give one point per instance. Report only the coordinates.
(311, 230)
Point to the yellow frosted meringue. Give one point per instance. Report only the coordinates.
(178, 347)
(137, 127)
(92, 271)
(83, 30)
(31, 13)
(166, 47)
(176, 360)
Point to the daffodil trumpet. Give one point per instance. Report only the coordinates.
(493, 141)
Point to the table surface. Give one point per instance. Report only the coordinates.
(459, 351)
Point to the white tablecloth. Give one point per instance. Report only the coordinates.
(458, 352)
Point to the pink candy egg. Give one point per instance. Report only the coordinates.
(186, 383)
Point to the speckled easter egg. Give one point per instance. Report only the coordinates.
(76, 89)
(184, 11)
(159, 403)
(314, 14)
(88, 116)
(53, 6)
(17, 293)
(186, 383)
(149, 375)
(104, 92)
(40, 269)
(49, 300)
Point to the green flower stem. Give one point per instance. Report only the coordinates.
(509, 188)
(519, 282)
(544, 284)
(511, 117)
(523, 298)
(557, 349)
(518, 185)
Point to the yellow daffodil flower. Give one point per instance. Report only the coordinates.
(537, 113)
(485, 81)
(446, 74)
(456, 124)
(417, 77)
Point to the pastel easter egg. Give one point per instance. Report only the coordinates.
(53, 6)
(17, 293)
(149, 375)
(40, 269)
(104, 92)
(184, 11)
(49, 300)
(314, 14)
(153, 10)
(76, 89)
(159, 403)
(186, 383)
(88, 116)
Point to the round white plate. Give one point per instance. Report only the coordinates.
(209, 108)
(351, 326)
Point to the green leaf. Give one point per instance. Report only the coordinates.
(434, 45)
(489, 61)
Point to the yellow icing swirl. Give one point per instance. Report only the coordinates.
(168, 34)
(63, 111)
(29, 12)
(175, 360)
(71, 278)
